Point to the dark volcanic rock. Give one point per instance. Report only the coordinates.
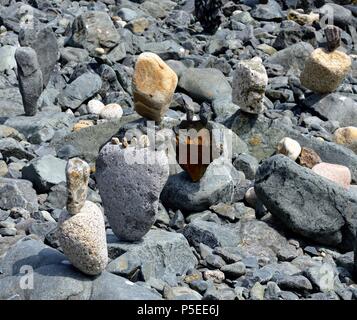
(291, 192)
(80, 90)
(92, 30)
(44, 42)
(30, 78)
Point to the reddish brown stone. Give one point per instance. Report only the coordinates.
(308, 158)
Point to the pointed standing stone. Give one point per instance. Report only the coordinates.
(30, 78)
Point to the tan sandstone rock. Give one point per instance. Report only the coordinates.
(324, 71)
(154, 84)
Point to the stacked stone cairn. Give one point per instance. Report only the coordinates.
(81, 228)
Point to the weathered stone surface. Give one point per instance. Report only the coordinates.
(218, 184)
(292, 58)
(94, 29)
(55, 279)
(308, 158)
(81, 89)
(336, 107)
(7, 55)
(83, 239)
(130, 181)
(45, 172)
(324, 71)
(211, 234)
(17, 193)
(249, 84)
(112, 111)
(44, 42)
(88, 141)
(262, 136)
(332, 222)
(289, 147)
(205, 84)
(154, 84)
(347, 136)
(10, 147)
(160, 254)
(31, 126)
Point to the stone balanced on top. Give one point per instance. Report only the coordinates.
(81, 229)
(325, 69)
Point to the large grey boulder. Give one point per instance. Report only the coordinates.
(245, 239)
(51, 277)
(307, 203)
(32, 126)
(45, 172)
(130, 181)
(88, 141)
(219, 184)
(292, 58)
(205, 84)
(262, 136)
(17, 193)
(270, 10)
(160, 255)
(94, 29)
(336, 107)
(111, 287)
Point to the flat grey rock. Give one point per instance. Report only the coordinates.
(17, 193)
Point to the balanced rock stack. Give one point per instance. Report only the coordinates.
(81, 229)
(30, 78)
(249, 84)
(325, 69)
(154, 84)
(130, 179)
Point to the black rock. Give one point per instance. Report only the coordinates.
(332, 222)
(30, 78)
(44, 43)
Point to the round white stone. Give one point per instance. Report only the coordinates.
(95, 106)
(290, 148)
(111, 111)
